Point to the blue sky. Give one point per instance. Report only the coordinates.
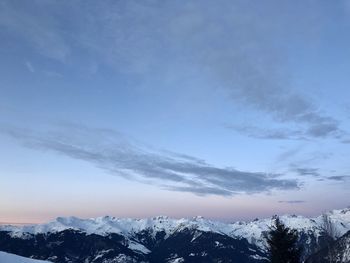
(227, 109)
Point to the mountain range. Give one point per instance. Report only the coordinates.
(163, 239)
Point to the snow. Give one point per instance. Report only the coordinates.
(258, 257)
(176, 260)
(341, 220)
(252, 231)
(11, 258)
(102, 253)
(126, 226)
(138, 247)
(196, 235)
(218, 244)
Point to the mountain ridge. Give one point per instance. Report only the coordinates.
(161, 238)
(109, 224)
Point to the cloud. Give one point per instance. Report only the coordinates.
(201, 191)
(233, 45)
(288, 154)
(341, 178)
(324, 127)
(307, 171)
(29, 23)
(120, 156)
(292, 201)
(271, 134)
(285, 106)
(346, 141)
(29, 66)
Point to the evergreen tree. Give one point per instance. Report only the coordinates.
(282, 244)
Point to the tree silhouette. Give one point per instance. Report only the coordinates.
(282, 244)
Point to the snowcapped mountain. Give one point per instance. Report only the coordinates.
(10, 258)
(161, 239)
(252, 230)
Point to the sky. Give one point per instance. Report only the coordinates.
(227, 109)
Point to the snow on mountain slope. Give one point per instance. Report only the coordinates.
(138, 247)
(11, 258)
(126, 226)
(341, 220)
(252, 231)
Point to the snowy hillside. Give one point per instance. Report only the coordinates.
(11, 258)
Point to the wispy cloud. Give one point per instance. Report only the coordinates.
(113, 152)
(292, 201)
(29, 66)
(271, 134)
(229, 44)
(304, 171)
(288, 154)
(341, 178)
(39, 29)
(322, 129)
(346, 141)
